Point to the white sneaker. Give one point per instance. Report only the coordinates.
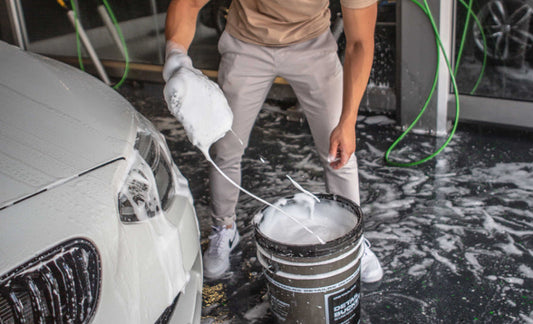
(371, 270)
(216, 257)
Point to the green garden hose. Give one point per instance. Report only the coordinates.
(425, 8)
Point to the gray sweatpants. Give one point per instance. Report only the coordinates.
(246, 74)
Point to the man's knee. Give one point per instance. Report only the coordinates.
(227, 150)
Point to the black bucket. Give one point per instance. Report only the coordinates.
(316, 283)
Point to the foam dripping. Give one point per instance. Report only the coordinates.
(299, 187)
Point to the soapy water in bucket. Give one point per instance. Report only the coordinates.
(201, 134)
(327, 219)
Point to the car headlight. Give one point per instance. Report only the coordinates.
(149, 186)
(61, 285)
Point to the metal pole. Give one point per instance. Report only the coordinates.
(88, 46)
(111, 28)
(443, 87)
(18, 23)
(417, 67)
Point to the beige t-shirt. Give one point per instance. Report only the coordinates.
(282, 22)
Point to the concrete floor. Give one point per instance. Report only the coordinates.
(454, 235)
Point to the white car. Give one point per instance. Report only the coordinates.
(97, 224)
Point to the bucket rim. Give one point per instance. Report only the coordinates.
(318, 249)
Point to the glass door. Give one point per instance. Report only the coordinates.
(494, 61)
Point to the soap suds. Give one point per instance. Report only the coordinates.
(327, 219)
(206, 117)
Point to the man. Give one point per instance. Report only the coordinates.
(288, 38)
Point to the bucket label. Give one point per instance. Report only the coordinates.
(343, 306)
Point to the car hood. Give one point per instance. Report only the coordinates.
(56, 123)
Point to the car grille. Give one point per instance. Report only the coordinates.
(61, 285)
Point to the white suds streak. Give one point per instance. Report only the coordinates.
(237, 137)
(297, 185)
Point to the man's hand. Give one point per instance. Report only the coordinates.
(197, 102)
(175, 58)
(341, 145)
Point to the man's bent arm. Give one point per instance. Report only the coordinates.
(180, 25)
(359, 27)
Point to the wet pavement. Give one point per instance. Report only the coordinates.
(454, 235)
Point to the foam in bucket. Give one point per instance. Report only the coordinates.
(325, 218)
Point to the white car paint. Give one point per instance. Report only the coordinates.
(66, 146)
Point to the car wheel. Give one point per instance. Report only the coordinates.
(507, 28)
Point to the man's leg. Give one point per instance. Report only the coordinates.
(245, 76)
(315, 73)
